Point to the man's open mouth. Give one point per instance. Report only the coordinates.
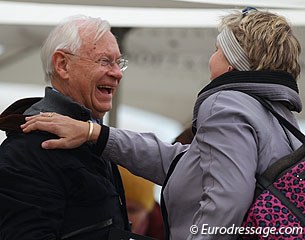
(105, 89)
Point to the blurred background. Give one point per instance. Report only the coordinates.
(168, 44)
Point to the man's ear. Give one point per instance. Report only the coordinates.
(60, 63)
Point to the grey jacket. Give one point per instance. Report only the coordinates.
(213, 183)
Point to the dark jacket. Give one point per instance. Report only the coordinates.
(49, 194)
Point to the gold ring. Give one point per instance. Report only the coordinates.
(50, 114)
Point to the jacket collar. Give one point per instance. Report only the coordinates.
(53, 101)
(11, 118)
(273, 86)
(265, 77)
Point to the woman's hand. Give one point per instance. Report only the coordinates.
(72, 133)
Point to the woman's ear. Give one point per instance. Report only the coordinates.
(230, 68)
(60, 63)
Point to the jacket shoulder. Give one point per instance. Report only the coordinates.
(25, 150)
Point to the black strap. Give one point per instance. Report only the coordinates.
(163, 206)
(283, 121)
(272, 172)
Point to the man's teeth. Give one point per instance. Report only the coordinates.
(109, 89)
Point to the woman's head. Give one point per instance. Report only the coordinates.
(259, 40)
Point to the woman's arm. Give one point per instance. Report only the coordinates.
(142, 153)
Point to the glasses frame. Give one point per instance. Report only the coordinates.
(105, 61)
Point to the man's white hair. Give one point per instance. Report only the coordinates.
(66, 36)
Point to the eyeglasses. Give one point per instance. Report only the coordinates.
(246, 10)
(105, 62)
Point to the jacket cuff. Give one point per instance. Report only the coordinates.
(102, 140)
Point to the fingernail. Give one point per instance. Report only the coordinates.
(44, 145)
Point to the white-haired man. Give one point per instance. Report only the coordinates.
(70, 194)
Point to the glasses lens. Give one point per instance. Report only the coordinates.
(123, 64)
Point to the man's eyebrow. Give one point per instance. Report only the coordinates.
(104, 54)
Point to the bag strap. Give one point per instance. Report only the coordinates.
(283, 121)
(163, 206)
(272, 172)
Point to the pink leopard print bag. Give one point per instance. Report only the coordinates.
(278, 211)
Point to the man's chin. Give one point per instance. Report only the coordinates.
(101, 113)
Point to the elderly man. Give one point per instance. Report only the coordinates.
(64, 194)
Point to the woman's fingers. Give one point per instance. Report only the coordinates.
(38, 124)
(32, 120)
(47, 121)
(45, 115)
(72, 133)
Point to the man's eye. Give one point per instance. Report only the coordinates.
(104, 61)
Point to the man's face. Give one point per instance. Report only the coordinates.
(89, 83)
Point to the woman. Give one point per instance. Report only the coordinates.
(235, 137)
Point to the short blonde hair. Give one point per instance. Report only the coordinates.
(267, 39)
